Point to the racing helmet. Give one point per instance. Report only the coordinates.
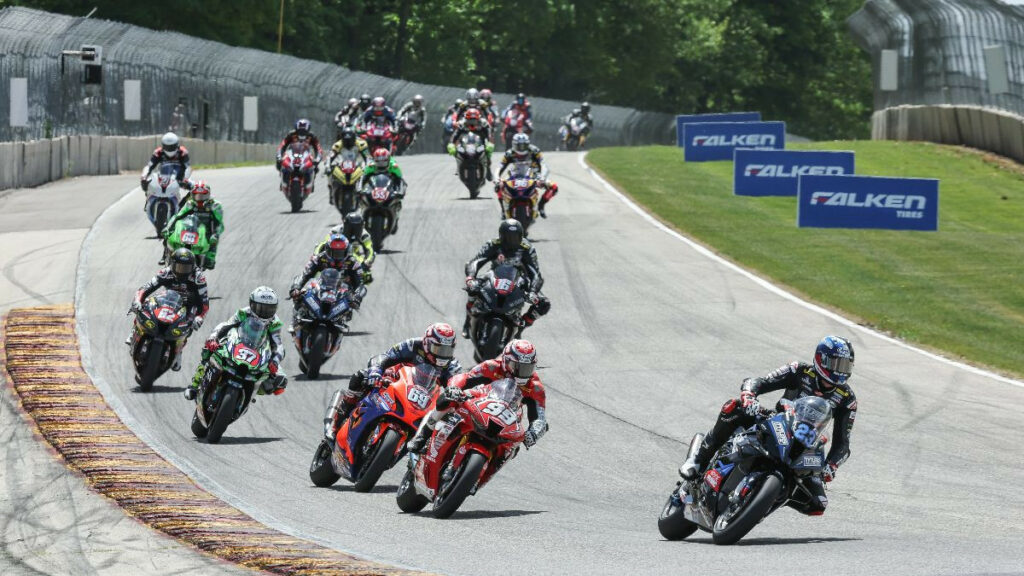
(170, 144)
(353, 227)
(833, 359)
(348, 137)
(382, 158)
(521, 99)
(183, 263)
(337, 247)
(302, 128)
(378, 106)
(417, 101)
(472, 118)
(585, 107)
(364, 100)
(439, 344)
(263, 302)
(510, 233)
(201, 194)
(519, 359)
(521, 144)
(472, 97)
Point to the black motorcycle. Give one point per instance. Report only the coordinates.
(470, 155)
(160, 325)
(381, 201)
(495, 316)
(759, 470)
(320, 321)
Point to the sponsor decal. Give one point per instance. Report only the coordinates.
(683, 119)
(783, 171)
(780, 433)
(735, 140)
(713, 478)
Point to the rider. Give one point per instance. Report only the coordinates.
(825, 377)
(415, 109)
(385, 163)
(472, 101)
(365, 103)
(436, 348)
(520, 104)
(452, 111)
(523, 151)
(488, 105)
(301, 133)
(360, 239)
(583, 112)
(182, 277)
(510, 246)
(519, 361)
(348, 142)
(380, 111)
(210, 213)
(170, 152)
(338, 255)
(348, 112)
(262, 306)
(472, 123)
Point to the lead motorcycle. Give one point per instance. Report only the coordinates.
(372, 439)
(467, 448)
(320, 321)
(161, 326)
(163, 195)
(470, 155)
(297, 168)
(496, 314)
(755, 473)
(381, 201)
(239, 365)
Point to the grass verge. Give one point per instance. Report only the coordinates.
(959, 290)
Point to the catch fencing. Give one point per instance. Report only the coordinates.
(196, 87)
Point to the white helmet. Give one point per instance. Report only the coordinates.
(263, 302)
(169, 143)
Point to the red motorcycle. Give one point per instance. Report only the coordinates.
(467, 448)
(515, 123)
(379, 135)
(297, 174)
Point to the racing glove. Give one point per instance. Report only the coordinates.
(211, 345)
(530, 439)
(197, 323)
(451, 149)
(144, 184)
(273, 368)
(135, 307)
(453, 394)
(373, 377)
(828, 473)
(751, 406)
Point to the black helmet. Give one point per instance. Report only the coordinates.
(348, 137)
(183, 263)
(353, 227)
(585, 107)
(510, 233)
(364, 100)
(330, 278)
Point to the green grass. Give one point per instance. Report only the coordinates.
(959, 290)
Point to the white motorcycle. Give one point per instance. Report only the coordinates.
(162, 195)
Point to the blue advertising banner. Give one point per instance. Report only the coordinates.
(702, 118)
(777, 172)
(717, 140)
(868, 202)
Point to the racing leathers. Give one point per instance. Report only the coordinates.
(533, 398)
(181, 162)
(797, 379)
(362, 250)
(585, 116)
(418, 114)
(193, 292)
(351, 273)
(483, 130)
(388, 114)
(211, 216)
(525, 108)
(524, 257)
(536, 159)
(273, 331)
(398, 186)
(360, 150)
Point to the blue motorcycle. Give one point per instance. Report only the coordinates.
(321, 318)
(759, 470)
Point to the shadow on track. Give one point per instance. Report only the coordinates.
(323, 377)
(778, 541)
(378, 489)
(158, 389)
(242, 440)
(303, 211)
(483, 514)
(390, 251)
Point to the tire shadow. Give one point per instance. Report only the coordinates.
(242, 440)
(770, 541)
(484, 514)
(157, 389)
(378, 489)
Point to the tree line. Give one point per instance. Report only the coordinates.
(792, 60)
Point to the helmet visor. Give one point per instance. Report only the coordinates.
(265, 311)
(442, 352)
(839, 366)
(182, 268)
(170, 149)
(522, 370)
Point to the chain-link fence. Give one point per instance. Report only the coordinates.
(196, 87)
(941, 48)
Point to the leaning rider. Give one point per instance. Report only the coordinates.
(337, 255)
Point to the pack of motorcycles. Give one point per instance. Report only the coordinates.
(749, 477)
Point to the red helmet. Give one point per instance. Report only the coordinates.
(337, 246)
(200, 193)
(439, 344)
(486, 95)
(378, 106)
(382, 158)
(472, 117)
(519, 359)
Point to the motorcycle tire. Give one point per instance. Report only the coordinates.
(522, 214)
(493, 341)
(572, 144)
(225, 411)
(408, 499)
(348, 202)
(446, 504)
(151, 368)
(317, 352)
(382, 458)
(320, 470)
(198, 430)
(672, 524)
(295, 195)
(160, 217)
(376, 226)
(744, 521)
(472, 181)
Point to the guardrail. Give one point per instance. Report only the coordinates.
(26, 164)
(983, 128)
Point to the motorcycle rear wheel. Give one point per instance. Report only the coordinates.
(446, 504)
(523, 215)
(320, 470)
(672, 524)
(408, 499)
(744, 521)
(226, 409)
(382, 459)
(295, 195)
(151, 368)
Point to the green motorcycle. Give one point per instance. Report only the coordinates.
(233, 373)
(189, 232)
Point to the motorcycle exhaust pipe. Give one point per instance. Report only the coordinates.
(695, 443)
(331, 417)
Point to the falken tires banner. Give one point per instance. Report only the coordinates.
(868, 202)
(711, 141)
(702, 118)
(777, 172)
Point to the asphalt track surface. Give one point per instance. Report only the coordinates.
(646, 338)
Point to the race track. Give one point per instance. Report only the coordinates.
(646, 338)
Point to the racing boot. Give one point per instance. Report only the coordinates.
(193, 388)
(697, 458)
(540, 209)
(465, 328)
(419, 441)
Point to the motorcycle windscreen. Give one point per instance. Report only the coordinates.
(172, 301)
(168, 173)
(810, 416)
(507, 391)
(426, 376)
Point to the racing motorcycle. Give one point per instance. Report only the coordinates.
(470, 155)
(408, 127)
(240, 364)
(189, 232)
(575, 136)
(381, 202)
(756, 472)
(372, 439)
(468, 447)
(519, 195)
(162, 195)
(321, 321)
(379, 135)
(515, 122)
(346, 172)
(161, 325)
(448, 128)
(495, 316)
(297, 174)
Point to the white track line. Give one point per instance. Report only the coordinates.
(779, 291)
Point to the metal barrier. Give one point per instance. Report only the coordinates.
(197, 87)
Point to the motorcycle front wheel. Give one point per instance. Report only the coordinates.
(320, 470)
(672, 524)
(730, 529)
(317, 352)
(408, 499)
(452, 496)
(295, 194)
(151, 368)
(225, 411)
(381, 459)
(376, 226)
